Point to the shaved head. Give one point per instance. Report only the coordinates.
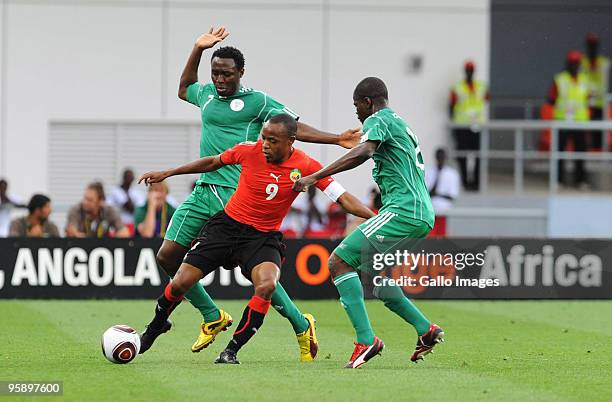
(369, 96)
(371, 87)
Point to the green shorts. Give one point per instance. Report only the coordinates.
(202, 204)
(383, 233)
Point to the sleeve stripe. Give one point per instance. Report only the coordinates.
(290, 112)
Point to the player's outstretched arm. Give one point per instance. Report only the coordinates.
(190, 72)
(203, 165)
(353, 206)
(350, 160)
(348, 139)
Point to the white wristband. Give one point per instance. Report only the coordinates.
(334, 191)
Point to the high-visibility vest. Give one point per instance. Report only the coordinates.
(598, 79)
(471, 102)
(572, 97)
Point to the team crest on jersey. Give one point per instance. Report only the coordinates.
(237, 105)
(295, 175)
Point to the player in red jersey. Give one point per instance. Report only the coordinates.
(246, 232)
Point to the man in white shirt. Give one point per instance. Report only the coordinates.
(443, 183)
(126, 198)
(7, 203)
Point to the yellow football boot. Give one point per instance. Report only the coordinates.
(309, 346)
(210, 330)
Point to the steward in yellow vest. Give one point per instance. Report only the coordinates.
(468, 100)
(569, 95)
(597, 70)
(572, 101)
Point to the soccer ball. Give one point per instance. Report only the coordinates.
(120, 344)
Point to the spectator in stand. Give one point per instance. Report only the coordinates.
(93, 218)
(597, 70)
(443, 183)
(336, 220)
(153, 217)
(305, 217)
(373, 200)
(7, 203)
(126, 198)
(569, 96)
(468, 104)
(292, 224)
(314, 219)
(36, 223)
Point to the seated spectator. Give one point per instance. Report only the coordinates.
(7, 203)
(337, 220)
(36, 223)
(304, 217)
(292, 224)
(93, 218)
(373, 200)
(126, 197)
(443, 183)
(153, 217)
(314, 219)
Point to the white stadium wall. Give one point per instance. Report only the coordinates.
(3, 134)
(121, 60)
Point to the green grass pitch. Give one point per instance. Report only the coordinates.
(517, 351)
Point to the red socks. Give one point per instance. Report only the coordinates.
(252, 319)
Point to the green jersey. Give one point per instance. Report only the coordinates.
(229, 120)
(399, 169)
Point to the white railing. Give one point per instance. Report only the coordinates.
(519, 154)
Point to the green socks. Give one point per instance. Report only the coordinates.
(285, 306)
(198, 297)
(351, 298)
(396, 301)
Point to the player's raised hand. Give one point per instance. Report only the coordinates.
(152, 177)
(212, 37)
(304, 183)
(350, 138)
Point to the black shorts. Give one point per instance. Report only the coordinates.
(224, 242)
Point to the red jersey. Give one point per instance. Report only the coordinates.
(265, 190)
